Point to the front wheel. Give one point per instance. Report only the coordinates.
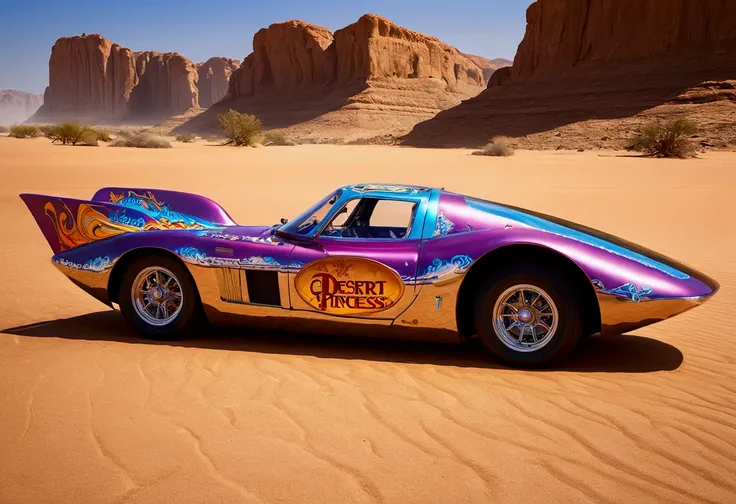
(528, 316)
(158, 298)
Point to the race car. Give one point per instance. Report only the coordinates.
(375, 259)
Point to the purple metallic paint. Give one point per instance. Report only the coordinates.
(192, 204)
(474, 234)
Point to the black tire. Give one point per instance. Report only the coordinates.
(189, 316)
(562, 293)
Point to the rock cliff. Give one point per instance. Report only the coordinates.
(213, 79)
(93, 79)
(89, 77)
(371, 77)
(167, 85)
(562, 35)
(17, 106)
(589, 72)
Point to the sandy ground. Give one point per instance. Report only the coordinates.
(90, 413)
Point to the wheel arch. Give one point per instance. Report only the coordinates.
(473, 281)
(124, 261)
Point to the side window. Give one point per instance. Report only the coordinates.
(393, 214)
(373, 218)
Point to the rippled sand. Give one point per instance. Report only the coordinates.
(90, 413)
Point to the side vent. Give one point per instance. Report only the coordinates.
(263, 287)
(232, 284)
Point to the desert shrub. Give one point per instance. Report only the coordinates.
(102, 135)
(671, 139)
(274, 138)
(140, 138)
(240, 129)
(70, 133)
(499, 146)
(4, 129)
(186, 138)
(24, 131)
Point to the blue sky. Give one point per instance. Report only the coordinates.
(201, 29)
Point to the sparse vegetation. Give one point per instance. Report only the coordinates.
(671, 139)
(241, 129)
(140, 138)
(275, 138)
(186, 138)
(4, 129)
(499, 146)
(70, 133)
(103, 135)
(24, 131)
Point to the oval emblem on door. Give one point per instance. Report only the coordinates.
(348, 285)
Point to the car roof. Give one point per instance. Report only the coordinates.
(384, 190)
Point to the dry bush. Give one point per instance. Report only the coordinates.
(274, 138)
(240, 129)
(71, 133)
(4, 129)
(103, 135)
(140, 138)
(499, 146)
(24, 131)
(186, 138)
(671, 139)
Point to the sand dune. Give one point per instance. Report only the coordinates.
(90, 413)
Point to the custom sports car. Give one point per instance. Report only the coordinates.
(372, 258)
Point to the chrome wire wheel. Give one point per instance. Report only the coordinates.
(525, 318)
(157, 296)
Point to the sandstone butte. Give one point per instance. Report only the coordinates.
(17, 106)
(588, 73)
(214, 76)
(367, 79)
(93, 79)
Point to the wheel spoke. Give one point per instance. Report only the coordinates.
(157, 296)
(541, 323)
(516, 310)
(535, 299)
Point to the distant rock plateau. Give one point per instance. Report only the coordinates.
(17, 106)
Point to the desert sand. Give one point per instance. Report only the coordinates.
(90, 413)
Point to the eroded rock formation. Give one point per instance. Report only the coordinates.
(292, 55)
(17, 106)
(562, 35)
(89, 77)
(93, 79)
(488, 66)
(214, 77)
(285, 57)
(167, 85)
(371, 77)
(589, 72)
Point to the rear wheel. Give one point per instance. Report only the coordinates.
(158, 298)
(528, 316)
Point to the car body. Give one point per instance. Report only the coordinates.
(371, 259)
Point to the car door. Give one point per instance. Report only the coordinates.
(363, 262)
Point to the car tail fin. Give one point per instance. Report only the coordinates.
(67, 223)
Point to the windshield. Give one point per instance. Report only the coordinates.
(311, 219)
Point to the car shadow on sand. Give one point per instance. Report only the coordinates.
(620, 354)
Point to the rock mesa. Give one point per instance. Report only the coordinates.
(93, 79)
(588, 72)
(368, 78)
